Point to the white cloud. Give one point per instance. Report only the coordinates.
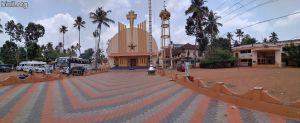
(52, 26)
(6, 17)
(288, 21)
(177, 7)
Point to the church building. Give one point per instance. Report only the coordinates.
(130, 46)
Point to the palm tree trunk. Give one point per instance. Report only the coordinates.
(97, 52)
(79, 44)
(63, 42)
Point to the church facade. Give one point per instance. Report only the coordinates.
(130, 46)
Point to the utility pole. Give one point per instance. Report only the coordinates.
(151, 70)
(150, 31)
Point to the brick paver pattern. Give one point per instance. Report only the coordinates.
(129, 97)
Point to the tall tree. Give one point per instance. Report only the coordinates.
(294, 53)
(10, 29)
(63, 30)
(273, 38)
(15, 31)
(71, 52)
(22, 54)
(50, 54)
(229, 37)
(212, 24)
(194, 25)
(79, 23)
(1, 27)
(32, 33)
(19, 32)
(247, 39)
(223, 43)
(236, 43)
(87, 54)
(239, 33)
(8, 52)
(100, 17)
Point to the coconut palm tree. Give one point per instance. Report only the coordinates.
(63, 30)
(100, 17)
(79, 23)
(212, 24)
(194, 27)
(229, 36)
(239, 33)
(273, 37)
(96, 35)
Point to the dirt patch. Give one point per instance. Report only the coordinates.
(6, 75)
(283, 83)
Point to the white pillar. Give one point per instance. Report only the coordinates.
(254, 58)
(278, 58)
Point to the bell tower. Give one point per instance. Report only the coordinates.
(166, 44)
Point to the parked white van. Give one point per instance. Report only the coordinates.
(30, 65)
(21, 66)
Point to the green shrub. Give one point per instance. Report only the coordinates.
(218, 58)
(293, 54)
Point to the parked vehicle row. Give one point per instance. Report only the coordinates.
(6, 68)
(34, 66)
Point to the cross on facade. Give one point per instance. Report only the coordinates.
(131, 46)
(131, 17)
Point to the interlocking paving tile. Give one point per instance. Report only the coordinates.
(114, 97)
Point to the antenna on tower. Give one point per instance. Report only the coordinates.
(165, 6)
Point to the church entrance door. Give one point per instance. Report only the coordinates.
(133, 63)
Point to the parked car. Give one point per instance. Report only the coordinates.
(42, 69)
(5, 68)
(77, 71)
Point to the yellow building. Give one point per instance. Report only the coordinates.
(130, 46)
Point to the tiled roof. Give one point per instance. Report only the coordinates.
(183, 48)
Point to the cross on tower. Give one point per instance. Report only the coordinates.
(131, 46)
(131, 17)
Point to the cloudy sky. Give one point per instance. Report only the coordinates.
(236, 14)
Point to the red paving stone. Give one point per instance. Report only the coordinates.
(115, 97)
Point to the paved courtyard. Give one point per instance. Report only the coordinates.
(130, 97)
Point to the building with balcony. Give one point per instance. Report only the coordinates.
(263, 54)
